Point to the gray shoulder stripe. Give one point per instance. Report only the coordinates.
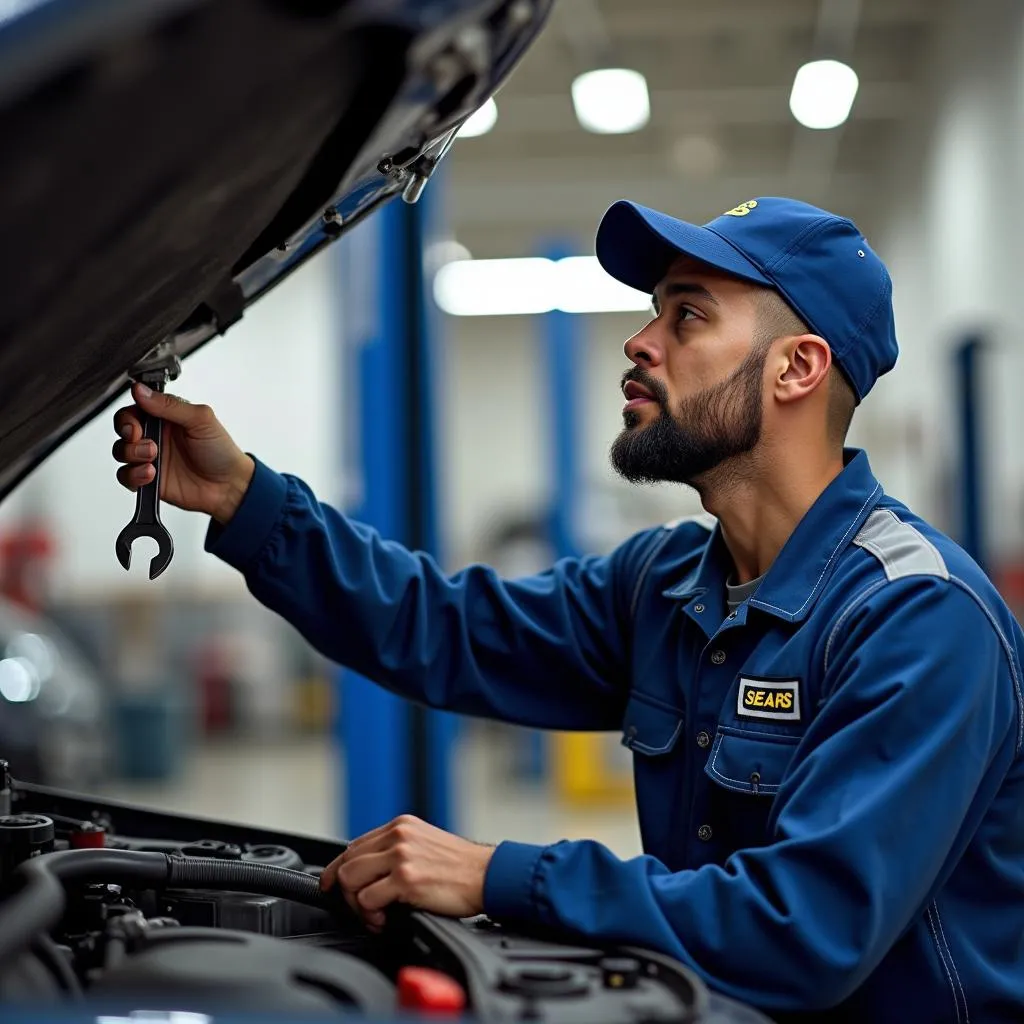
(902, 549)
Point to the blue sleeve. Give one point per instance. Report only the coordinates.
(546, 651)
(921, 705)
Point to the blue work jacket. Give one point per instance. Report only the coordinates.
(829, 779)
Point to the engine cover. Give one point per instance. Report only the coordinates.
(204, 970)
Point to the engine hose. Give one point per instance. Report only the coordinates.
(248, 876)
(38, 904)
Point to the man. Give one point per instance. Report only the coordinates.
(822, 692)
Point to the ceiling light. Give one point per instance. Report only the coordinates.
(441, 252)
(584, 286)
(611, 101)
(481, 122)
(495, 287)
(577, 284)
(823, 94)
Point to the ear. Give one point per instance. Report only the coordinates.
(803, 364)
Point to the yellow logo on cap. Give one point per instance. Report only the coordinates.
(742, 210)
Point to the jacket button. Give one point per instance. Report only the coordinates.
(717, 657)
(704, 833)
(698, 608)
(631, 732)
(703, 740)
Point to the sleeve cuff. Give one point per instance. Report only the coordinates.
(509, 883)
(243, 537)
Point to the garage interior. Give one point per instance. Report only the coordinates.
(190, 697)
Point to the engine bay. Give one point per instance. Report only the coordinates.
(121, 908)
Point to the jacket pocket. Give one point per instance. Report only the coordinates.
(747, 769)
(750, 762)
(650, 729)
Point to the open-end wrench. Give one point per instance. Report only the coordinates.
(146, 521)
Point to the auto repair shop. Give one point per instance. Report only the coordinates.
(380, 271)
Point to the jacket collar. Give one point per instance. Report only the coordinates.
(805, 564)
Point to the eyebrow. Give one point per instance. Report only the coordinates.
(683, 288)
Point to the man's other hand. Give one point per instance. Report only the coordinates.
(408, 861)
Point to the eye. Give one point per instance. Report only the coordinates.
(683, 311)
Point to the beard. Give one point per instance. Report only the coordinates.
(710, 428)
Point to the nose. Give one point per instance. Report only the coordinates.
(643, 348)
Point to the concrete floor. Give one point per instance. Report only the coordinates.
(294, 786)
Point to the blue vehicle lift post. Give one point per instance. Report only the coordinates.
(397, 754)
(972, 477)
(561, 353)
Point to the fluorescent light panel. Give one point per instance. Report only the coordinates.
(509, 287)
(823, 94)
(611, 101)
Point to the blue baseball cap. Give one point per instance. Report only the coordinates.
(821, 264)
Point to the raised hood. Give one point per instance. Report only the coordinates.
(163, 163)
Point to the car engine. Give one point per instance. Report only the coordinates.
(124, 908)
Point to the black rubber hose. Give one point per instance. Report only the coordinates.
(38, 905)
(248, 876)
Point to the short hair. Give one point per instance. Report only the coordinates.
(777, 319)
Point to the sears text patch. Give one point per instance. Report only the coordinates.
(759, 698)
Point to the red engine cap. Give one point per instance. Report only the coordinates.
(88, 837)
(430, 992)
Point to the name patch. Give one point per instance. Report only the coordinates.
(777, 700)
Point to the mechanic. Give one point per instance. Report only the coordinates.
(821, 691)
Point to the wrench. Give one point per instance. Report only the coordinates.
(146, 521)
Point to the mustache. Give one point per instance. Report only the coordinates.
(640, 376)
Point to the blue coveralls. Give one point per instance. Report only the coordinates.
(829, 781)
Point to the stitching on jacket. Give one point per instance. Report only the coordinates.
(645, 569)
(952, 962)
(871, 546)
(646, 749)
(783, 739)
(1009, 657)
(945, 967)
(862, 596)
(831, 559)
(743, 784)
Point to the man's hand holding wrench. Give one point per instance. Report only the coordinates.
(200, 467)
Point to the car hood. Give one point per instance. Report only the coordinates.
(163, 164)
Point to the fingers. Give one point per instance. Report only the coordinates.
(134, 477)
(362, 844)
(167, 407)
(329, 874)
(134, 453)
(355, 872)
(374, 898)
(359, 872)
(126, 423)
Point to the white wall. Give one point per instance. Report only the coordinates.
(272, 380)
(954, 242)
(496, 443)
